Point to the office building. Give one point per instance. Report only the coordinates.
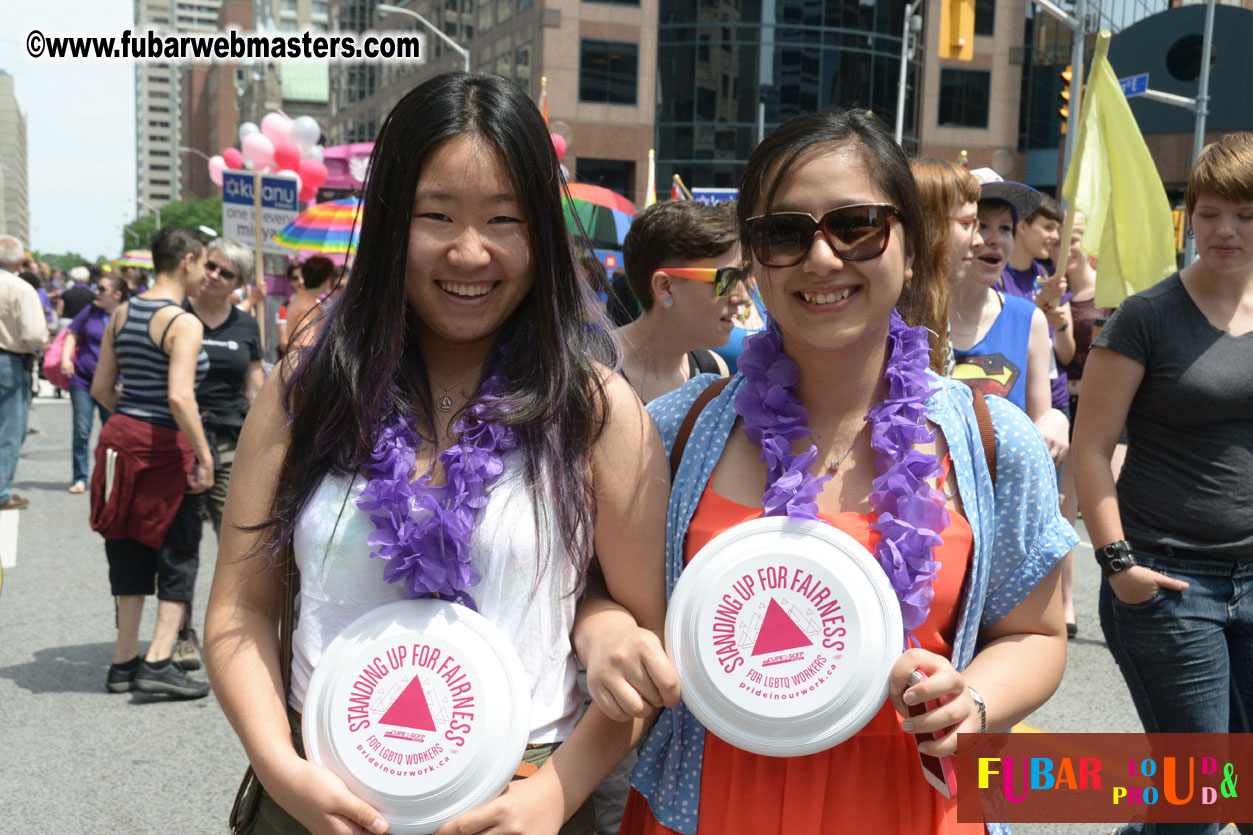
(14, 190)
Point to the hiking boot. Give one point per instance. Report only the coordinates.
(187, 650)
(122, 676)
(168, 679)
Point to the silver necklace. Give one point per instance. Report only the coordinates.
(444, 404)
(833, 464)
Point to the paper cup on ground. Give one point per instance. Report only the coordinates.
(783, 633)
(422, 708)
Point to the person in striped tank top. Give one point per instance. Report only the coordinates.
(152, 458)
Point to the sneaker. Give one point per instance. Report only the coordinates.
(122, 676)
(169, 680)
(187, 650)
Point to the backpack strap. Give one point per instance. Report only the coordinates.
(984, 418)
(685, 429)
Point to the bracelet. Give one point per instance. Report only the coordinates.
(1063, 326)
(983, 710)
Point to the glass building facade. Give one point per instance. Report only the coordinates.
(727, 70)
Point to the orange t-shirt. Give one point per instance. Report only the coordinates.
(871, 782)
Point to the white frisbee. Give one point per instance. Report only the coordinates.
(784, 632)
(422, 708)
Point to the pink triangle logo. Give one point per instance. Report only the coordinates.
(410, 710)
(778, 633)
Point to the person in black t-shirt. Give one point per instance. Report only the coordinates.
(79, 296)
(233, 342)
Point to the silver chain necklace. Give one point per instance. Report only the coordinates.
(444, 404)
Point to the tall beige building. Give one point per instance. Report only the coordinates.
(158, 102)
(14, 191)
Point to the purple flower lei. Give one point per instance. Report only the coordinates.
(911, 511)
(422, 530)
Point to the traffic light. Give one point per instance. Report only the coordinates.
(1064, 110)
(957, 29)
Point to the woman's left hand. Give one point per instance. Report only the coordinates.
(956, 711)
(533, 805)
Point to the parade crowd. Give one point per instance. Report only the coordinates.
(903, 349)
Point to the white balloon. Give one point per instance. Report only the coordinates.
(291, 175)
(305, 132)
(316, 153)
(247, 128)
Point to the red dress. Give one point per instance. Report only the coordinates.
(869, 783)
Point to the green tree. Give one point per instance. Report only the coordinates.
(190, 214)
(65, 261)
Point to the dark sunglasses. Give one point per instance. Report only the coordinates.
(723, 278)
(856, 233)
(213, 266)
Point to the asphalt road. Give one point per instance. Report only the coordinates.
(74, 758)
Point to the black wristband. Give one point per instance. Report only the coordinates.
(1115, 557)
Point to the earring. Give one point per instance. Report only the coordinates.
(667, 302)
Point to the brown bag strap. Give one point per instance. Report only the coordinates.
(685, 429)
(984, 418)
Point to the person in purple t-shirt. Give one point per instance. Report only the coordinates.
(1036, 238)
(86, 333)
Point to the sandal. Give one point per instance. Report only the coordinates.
(78, 487)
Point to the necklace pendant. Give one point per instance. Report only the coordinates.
(444, 404)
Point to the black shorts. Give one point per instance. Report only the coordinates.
(169, 571)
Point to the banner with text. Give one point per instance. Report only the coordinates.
(279, 206)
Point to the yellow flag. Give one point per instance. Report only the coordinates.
(650, 193)
(1112, 179)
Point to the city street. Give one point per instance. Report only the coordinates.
(77, 759)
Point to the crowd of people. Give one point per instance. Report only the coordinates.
(829, 347)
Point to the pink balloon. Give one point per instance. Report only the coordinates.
(307, 193)
(276, 126)
(286, 155)
(312, 172)
(559, 144)
(233, 158)
(215, 169)
(259, 149)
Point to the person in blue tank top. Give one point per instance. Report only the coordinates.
(1001, 342)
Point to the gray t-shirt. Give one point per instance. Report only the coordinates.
(1188, 478)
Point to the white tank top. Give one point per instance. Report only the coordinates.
(339, 582)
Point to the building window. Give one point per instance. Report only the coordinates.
(289, 6)
(321, 8)
(504, 64)
(617, 2)
(504, 10)
(608, 71)
(614, 174)
(523, 5)
(985, 17)
(485, 17)
(522, 67)
(964, 97)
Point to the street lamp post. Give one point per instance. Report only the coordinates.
(907, 44)
(151, 208)
(184, 149)
(385, 9)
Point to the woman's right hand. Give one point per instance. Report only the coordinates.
(200, 478)
(1138, 584)
(67, 368)
(629, 674)
(318, 798)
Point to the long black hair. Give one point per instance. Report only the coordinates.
(797, 140)
(366, 363)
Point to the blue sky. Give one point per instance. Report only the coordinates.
(80, 126)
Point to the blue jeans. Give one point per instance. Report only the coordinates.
(82, 402)
(14, 411)
(1187, 657)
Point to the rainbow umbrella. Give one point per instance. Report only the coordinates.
(603, 214)
(140, 258)
(331, 228)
